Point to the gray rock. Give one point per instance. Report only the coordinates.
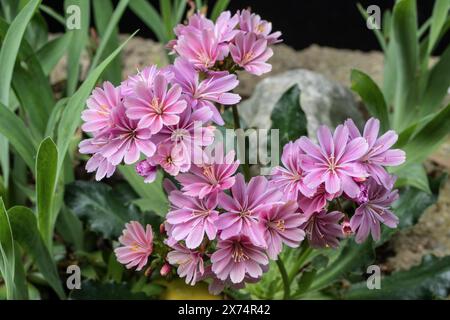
(323, 101)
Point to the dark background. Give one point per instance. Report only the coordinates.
(333, 23)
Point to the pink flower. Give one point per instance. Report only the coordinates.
(243, 209)
(137, 245)
(127, 140)
(170, 158)
(323, 229)
(190, 263)
(192, 218)
(251, 53)
(101, 104)
(289, 179)
(251, 22)
(97, 162)
(147, 170)
(373, 210)
(155, 106)
(335, 162)
(144, 78)
(214, 88)
(317, 202)
(215, 175)
(379, 153)
(189, 134)
(237, 257)
(200, 48)
(282, 225)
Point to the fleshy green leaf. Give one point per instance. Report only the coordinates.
(7, 255)
(108, 32)
(152, 195)
(438, 83)
(404, 26)
(413, 175)
(424, 142)
(13, 128)
(79, 41)
(46, 162)
(102, 206)
(70, 118)
(410, 207)
(25, 232)
(8, 55)
(429, 280)
(372, 96)
(350, 257)
(438, 18)
(50, 54)
(288, 116)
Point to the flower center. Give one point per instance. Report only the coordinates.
(238, 253)
(104, 110)
(332, 165)
(278, 224)
(156, 105)
(204, 59)
(208, 172)
(245, 213)
(248, 57)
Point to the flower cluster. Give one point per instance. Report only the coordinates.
(220, 227)
(344, 167)
(165, 114)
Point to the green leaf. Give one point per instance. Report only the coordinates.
(438, 18)
(407, 58)
(152, 195)
(429, 280)
(70, 228)
(46, 162)
(102, 14)
(424, 142)
(351, 256)
(52, 13)
(54, 118)
(413, 175)
(10, 48)
(410, 206)
(7, 255)
(166, 14)
(92, 290)
(25, 231)
(288, 116)
(71, 115)
(218, 8)
(79, 42)
(50, 54)
(13, 128)
(148, 14)
(114, 20)
(102, 206)
(372, 97)
(20, 278)
(8, 54)
(437, 84)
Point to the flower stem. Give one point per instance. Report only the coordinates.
(284, 276)
(304, 255)
(237, 125)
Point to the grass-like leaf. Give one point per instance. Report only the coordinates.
(7, 256)
(46, 162)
